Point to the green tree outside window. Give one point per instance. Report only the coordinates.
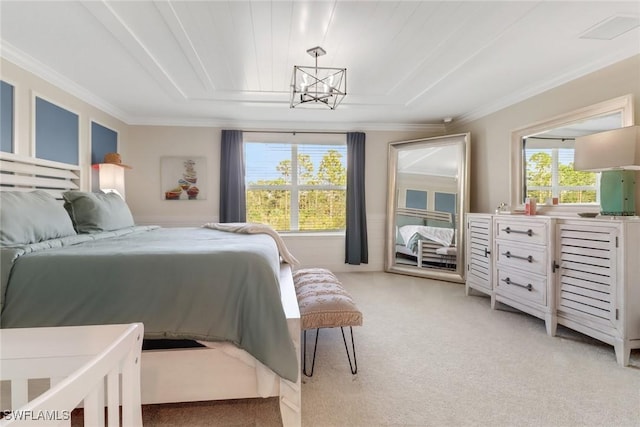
(571, 186)
(320, 208)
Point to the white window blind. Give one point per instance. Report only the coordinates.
(549, 172)
(296, 183)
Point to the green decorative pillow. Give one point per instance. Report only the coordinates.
(96, 212)
(31, 217)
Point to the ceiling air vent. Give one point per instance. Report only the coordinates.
(611, 28)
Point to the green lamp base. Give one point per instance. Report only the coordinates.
(618, 193)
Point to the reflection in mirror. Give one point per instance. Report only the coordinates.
(548, 163)
(542, 155)
(426, 200)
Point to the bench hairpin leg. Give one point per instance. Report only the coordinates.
(304, 355)
(354, 367)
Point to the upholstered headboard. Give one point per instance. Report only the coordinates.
(22, 173)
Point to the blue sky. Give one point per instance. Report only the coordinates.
(264, 157)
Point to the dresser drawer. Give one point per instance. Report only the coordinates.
(524, 257)
(521, 286)
(522, 231)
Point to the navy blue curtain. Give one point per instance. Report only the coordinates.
(356, 247)
(233, 205)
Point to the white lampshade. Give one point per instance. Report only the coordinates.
(613, 149)
(110, 178)
(615, 153)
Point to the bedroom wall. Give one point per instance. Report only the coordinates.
(26, 87)
(143, 146)
(146, 145)
(490, 135)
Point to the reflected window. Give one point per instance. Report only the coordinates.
(548, 166)
(547, 163)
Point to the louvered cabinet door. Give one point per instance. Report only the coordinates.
(479, 243)
(587, 257)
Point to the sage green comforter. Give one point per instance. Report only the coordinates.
(182, 283)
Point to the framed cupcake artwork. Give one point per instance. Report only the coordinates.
(183, 178)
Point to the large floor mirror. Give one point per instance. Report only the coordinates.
(426, 203)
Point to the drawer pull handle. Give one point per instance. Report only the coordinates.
(508, 230)
(509, 282)
(526, 258)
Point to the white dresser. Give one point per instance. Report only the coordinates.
(479, 261)
(523, 277)
(580, 273)
(598, 280)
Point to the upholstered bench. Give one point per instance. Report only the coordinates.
(324, 303)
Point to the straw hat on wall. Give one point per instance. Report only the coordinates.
(115, 159)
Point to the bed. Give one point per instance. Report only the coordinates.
(425, 237)
(227, 295)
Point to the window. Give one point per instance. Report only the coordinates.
(296, 182)
(548, 165)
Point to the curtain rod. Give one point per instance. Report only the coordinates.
(293, 132)
(542, 137)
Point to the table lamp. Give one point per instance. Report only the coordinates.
(615, 153)
(108, 176)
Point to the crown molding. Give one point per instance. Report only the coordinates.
(532, 91)
(32, 65)
(288, 126)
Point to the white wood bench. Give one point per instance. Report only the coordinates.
(324, 303)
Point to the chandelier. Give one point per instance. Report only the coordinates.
(318, 85)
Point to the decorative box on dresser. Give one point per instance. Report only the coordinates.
(479, 247)
(523, 277)
(581, 273)
(598, 280)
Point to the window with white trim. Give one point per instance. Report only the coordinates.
(548, 168)
(296, 182)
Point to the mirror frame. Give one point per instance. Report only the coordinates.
(462, 202)
(622, 104)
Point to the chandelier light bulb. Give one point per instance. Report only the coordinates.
(305, 83)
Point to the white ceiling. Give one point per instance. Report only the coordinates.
(227, 63)
(441, 160)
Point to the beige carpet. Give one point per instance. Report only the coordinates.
(430, 356)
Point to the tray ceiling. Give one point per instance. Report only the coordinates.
(409, 63)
